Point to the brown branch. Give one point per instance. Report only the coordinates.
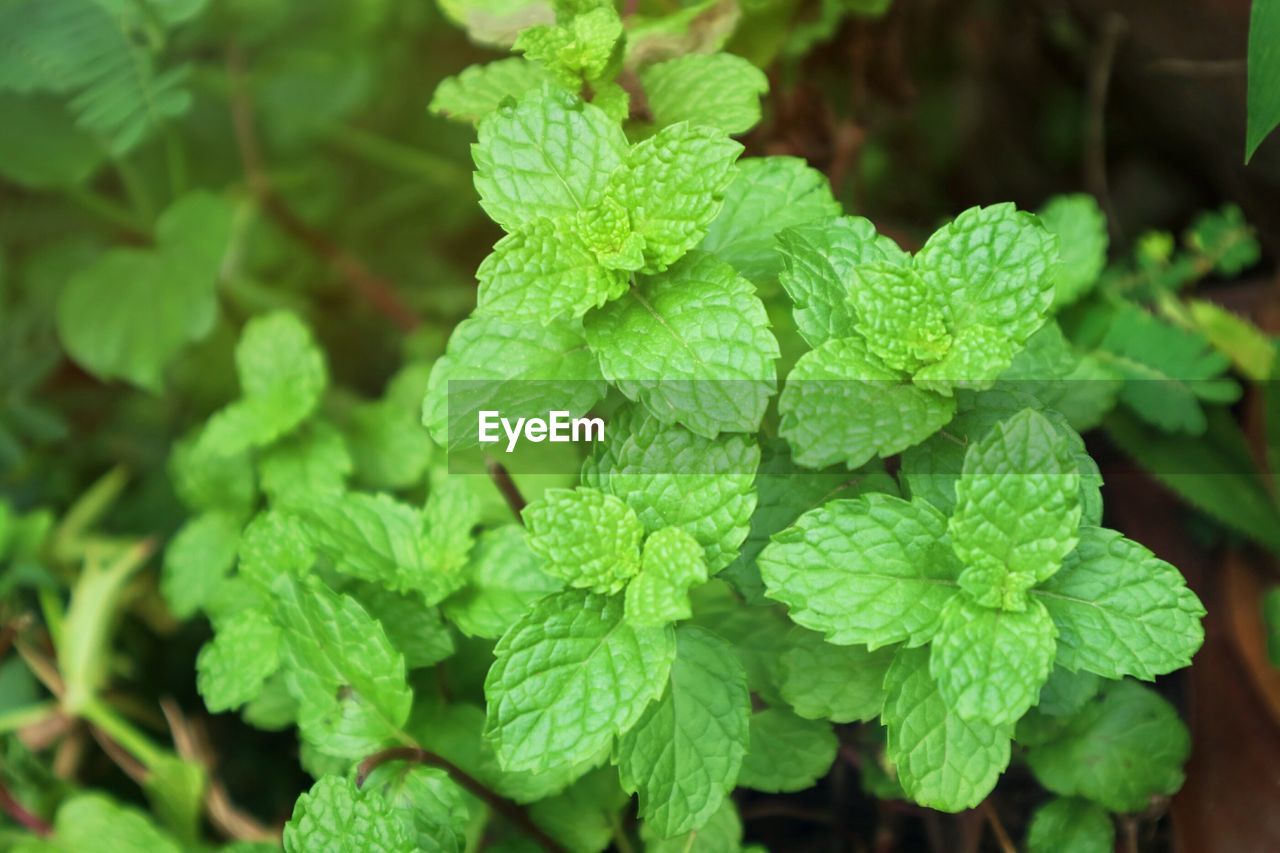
(379, 293)
(510, 491)
(1095, 164)
(14, 809)
(511, 811)
(988, 811)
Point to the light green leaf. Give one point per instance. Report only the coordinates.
(570, 676)
(818, 264)
(822, 681)
(198, 559)
(1120, 750)
(506, 579)
(417, 632)
(449, 516)
(943, 761)
(549, 155)
(673, 186)
(545, 272)
(313, 462)
(672, 562)
(204, 481)
(901, 318)
(1071, 825)
(788, 753)
(519, 368)
(587, 538)
(1120, 610)
(335, 815)
(347, 677)
(683, 755)
(84, 820)
(436, 809)
(232, 667)
(674, 478)
(43, 148)
(130, 312)
(1017, 509)
(480, 89)
(282, 376)
(841, 404)
(1264, 74)
(718, 90)
(579, 49)
(584, 815)
(989, 665)
(721, 834)
(871, 571)
(767, 195)
(273, 544)
(176, 789)
(1081, 227)
(693, 344)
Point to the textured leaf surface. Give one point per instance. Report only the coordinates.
(1081, 227)
(1071, 825)
(1120, 750)
(232, 666)
(872, 571)
(674, 478)
(841, 404)
(718, 90)
(693, 345)
(788, 753)
(587, 538)
(818, 263)
(684, 754)
(1017, 509)
(84, 820)
(506, 578)
(481, 89)
(767, 195)
(197, 560)
(1120, 610)
(822, 681)
(312, 462)
(548, 155)
(943, 761)
(347, 677)
(335, 815)
(989, 664)
(673, 562)
(570, 676)
(721, 834)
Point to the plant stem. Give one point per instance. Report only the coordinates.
(99, 714)
(20, 718)
(511, 811)
(105, 209)
(510, 491)
(997, 828)
(21, 816)
(394, 156)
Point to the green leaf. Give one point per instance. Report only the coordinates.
(943, 761)
(989, 665)
(870, 571)
(583, 816)
(335, 814)
(416, 632)
(506, 579)
(1017, 509)
(693, 345)
(842, 404)
(718, 90)
(1120, 610)
(1071, 825)
(130, 312)
(84, 820)
(480, 89)
(516, 367)
(671, 564)
(198, 559)
(43, 148)
(674, 478)
(376, 538)
(818, 263)
(1123, 748)
(282, 376)
(204, 481)
(233, 666)
(579, 49)
(570, 676)
(1264, 74)
(994, 266)
(273, 544)
(683, 755)
(901, 319)
(1250, 349)
(1066, 692)
(450, 514)
(549, 155)
(673, 186)
(788, 753)
(767, 195)
(434, 807)
(347, 677)
(176, 789)
(1081, 228)
(721, 834)
(313, 462)
(587, 538)
(821, 681)
(545, 273)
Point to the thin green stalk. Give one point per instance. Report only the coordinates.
(20, 718)
(394, 156)
(175, 161)
(101, 715)
(135, 186)
(105, 209)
